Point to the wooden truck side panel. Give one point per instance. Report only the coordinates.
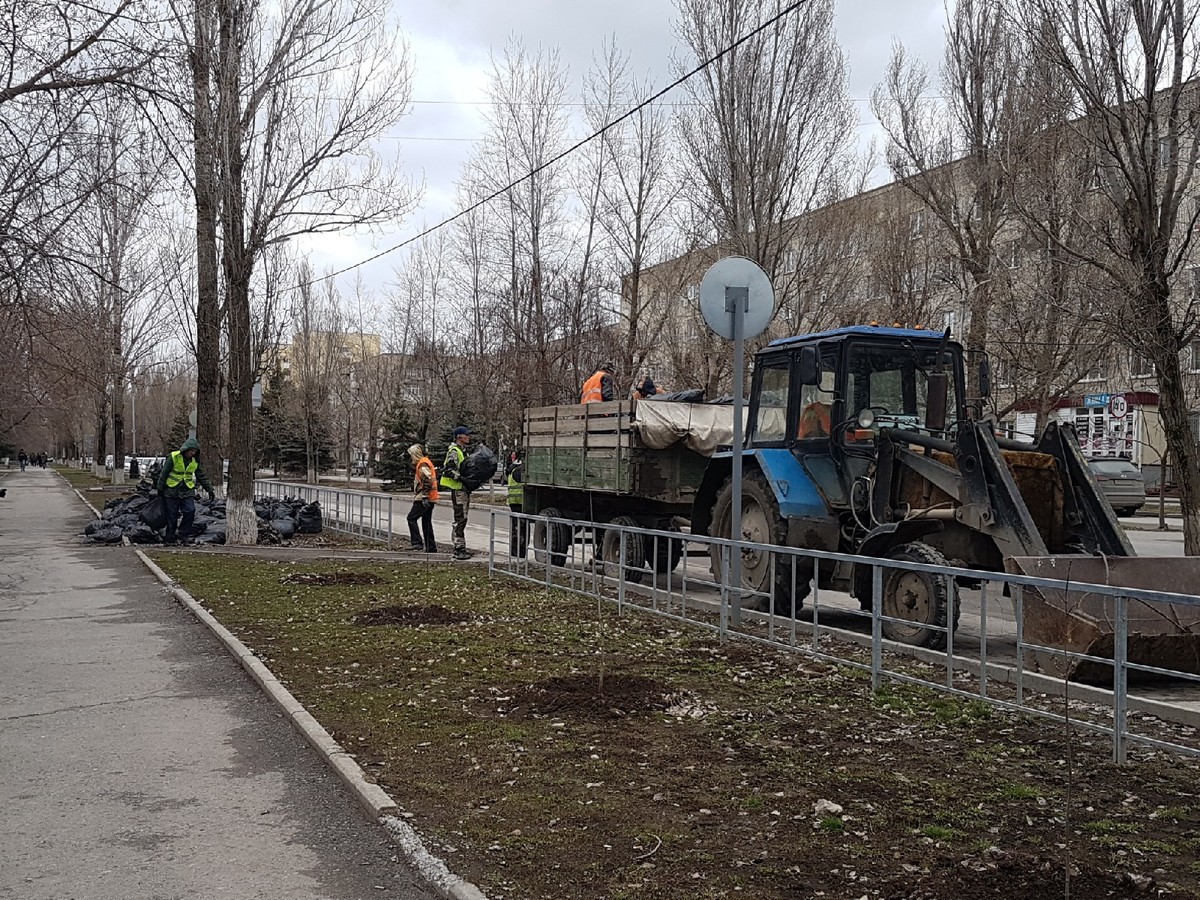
(595, 447)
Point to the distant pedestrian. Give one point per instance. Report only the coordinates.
(518, 537)
(41, 460)
(22, 458)
(425, 498)
(177, 486)
(460, 497)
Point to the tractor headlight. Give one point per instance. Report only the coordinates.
(866, 418)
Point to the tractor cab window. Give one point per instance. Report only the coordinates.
(893, 383)
(816, 403)
(774, 389)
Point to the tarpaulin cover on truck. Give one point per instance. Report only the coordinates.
(702, 427)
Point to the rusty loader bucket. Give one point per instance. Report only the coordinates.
(1164, 635)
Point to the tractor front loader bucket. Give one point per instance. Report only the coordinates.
(1164, 635)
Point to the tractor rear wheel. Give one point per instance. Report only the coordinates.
(921, 598)
(762, 523)
(610, 550)
(664, 553)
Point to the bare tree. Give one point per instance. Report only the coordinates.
(636, 193)
(765, 125)
(316, 362)
(1131, 67)
(302, 92)
(972, 127)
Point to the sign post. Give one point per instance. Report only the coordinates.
(737, 302)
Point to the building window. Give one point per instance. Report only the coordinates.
(1194, 365)
(1141, 367)
(1012, 254)
(1098, 372)
(917, 224)
(1164, 151)
(787, 263)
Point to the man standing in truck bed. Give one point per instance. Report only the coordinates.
(599, 387)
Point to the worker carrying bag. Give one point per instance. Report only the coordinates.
(478, 468)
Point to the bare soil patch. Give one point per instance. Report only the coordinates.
(612, 694)
(411, 616)
(329, 579)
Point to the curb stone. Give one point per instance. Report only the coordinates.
(371, 797)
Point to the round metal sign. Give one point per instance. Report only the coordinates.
(732, 282)
(1118, 406)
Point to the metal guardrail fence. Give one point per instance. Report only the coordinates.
(978, 662)
(361, 513)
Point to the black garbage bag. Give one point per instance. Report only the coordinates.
(214, 535)
(478, 468)
(154, 513)
(135, 504)
(95, 525)
(108, 534)
(308, 519)
(285, 527)
(126, 520)
(141, 534)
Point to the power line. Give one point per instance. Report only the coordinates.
(490, 197)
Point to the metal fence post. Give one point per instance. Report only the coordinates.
(983, 639)
(952, 597)
(389, 536)
(876, 626)
(492, 542)
(621, 536)
(816, 583)
(1018, 596)
(1120, 680)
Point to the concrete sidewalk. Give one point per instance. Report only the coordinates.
(136, 758)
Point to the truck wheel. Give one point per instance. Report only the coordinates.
(610, 551)
(551, 536)
(664, 553)
(762, 524)
(919, 597)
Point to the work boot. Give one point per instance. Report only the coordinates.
(417, 545)
(461, 553)
(431, 548)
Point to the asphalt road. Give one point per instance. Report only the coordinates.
(136, 758)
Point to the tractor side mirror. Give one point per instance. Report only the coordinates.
(985, 378)
(810, 365)
(936, 402)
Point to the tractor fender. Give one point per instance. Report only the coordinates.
(719, 467)
(794, 491)
(882, 539)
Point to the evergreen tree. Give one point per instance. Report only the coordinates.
(395, 468)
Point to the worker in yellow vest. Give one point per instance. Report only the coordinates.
(519, 528)
(460, 497)
(177, 486)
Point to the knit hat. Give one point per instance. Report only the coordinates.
(416, 452)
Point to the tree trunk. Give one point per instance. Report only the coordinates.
(118, 427)
(237, 264)
(1182, 445)
(208, 310)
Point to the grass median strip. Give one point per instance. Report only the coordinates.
(549, 747)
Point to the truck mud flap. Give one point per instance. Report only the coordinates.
(1163, 635)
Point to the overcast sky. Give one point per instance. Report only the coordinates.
(451, 41)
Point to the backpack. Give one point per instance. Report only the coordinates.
(478, 468)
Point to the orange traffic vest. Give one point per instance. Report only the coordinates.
(593, 388)
(433, 489)
(814, 420)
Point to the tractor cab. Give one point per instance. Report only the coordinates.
(826, 396)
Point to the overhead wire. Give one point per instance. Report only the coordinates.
(790, 8)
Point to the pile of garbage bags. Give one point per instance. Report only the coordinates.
(141, 519)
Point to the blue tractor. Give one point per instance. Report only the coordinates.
(862, 440)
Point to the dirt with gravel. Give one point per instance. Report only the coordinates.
(548, 747)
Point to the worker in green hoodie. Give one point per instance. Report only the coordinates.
(177, 486)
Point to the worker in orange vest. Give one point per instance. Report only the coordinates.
(425, 489)
(814, 421)
(599, 387)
